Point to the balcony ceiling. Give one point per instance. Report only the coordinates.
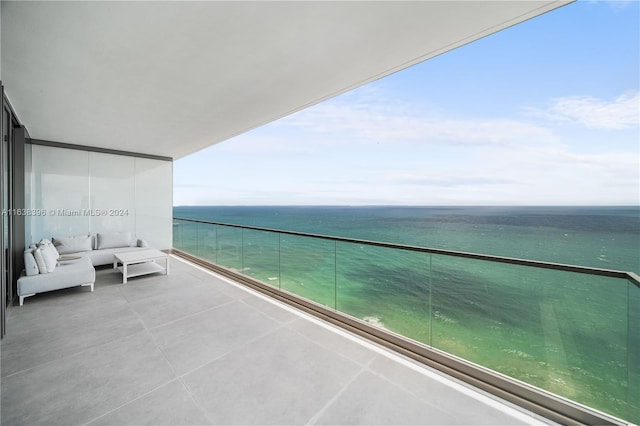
(170, 78)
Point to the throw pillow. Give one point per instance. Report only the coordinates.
(66, 245)
(30, 265)
(49, 258)
(39, 257)
(114, 240)
(49, 247)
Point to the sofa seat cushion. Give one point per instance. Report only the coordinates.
(65, 275)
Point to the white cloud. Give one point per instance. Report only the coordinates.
(616, 5)
(368, 149)
(380, 120)
(621, 113)
(447, 180)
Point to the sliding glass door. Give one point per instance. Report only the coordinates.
(4, 225)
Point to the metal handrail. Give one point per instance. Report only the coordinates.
(634, 278)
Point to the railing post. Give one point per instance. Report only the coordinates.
(633, 351)
(335, 275)
(430, 299)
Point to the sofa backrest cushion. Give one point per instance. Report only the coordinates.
(113, 240)
(30, 265)
(66, 245)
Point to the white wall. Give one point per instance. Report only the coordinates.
(75, 192)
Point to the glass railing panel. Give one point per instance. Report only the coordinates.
(307, 268)
(564, 332)
(633, 398)
(262, 256)
(207, 239)
(386, 287)
(177, 234)
(229, 247)
(188, 235)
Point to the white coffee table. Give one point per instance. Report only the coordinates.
(140, 262)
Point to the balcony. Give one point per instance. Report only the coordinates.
(193, 348)
(196, 348)
(563, 339)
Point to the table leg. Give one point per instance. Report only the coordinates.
(124, 273)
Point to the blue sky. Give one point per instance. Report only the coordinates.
(543, 113)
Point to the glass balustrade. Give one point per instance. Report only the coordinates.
(308, 268)
(571, 331)
(261, 254)
(564, 332)
(385, 287)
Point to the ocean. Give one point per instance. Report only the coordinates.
(569, 333)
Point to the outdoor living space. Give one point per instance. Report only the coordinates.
(194, 348)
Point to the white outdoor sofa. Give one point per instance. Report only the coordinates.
(67, 274)
(71, 263)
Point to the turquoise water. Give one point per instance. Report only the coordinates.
(573, 334)
(602, 237)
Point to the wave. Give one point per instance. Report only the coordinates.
(375, 321)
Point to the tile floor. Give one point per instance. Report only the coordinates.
(193, 348)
